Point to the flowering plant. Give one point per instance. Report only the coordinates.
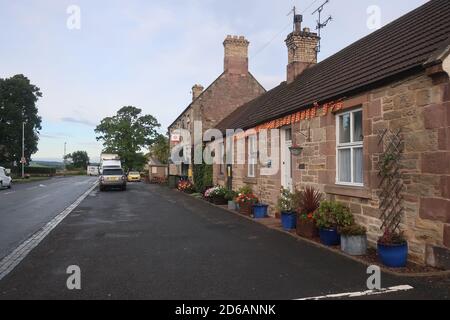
(185, 186)
(243, 198)
(216, 192)
(285, 201)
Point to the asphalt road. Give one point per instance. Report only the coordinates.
(153, 243)
(26, 208)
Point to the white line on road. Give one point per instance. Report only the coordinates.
(8, 193)
(8, 263)
(361, 293)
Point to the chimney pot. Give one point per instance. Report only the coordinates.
(196, 91)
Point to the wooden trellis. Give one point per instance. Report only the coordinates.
(391, 182)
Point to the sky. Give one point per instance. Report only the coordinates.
(149, 54)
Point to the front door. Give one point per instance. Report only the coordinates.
(286, 158)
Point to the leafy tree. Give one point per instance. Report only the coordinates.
(79, 159)
(160, 149)
(18, 99)
(127, 133)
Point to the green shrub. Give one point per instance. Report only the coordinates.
(285, 201)
(333, 215)
(353, 230)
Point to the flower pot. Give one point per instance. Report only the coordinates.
(329, 237)
(393, 256)
(232, 205)
(260, 211)
(219, 201)
(288, 220)
(354, 245)
(246, 209)
(307, 228)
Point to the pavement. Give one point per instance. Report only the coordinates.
(26, 208)
(154, 243)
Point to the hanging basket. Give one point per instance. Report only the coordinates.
(296, 151)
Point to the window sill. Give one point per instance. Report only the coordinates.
(248, 180)
(348, 191)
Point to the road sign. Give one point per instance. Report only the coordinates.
(23, 160)
(175, 138)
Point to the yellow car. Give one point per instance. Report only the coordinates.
(134, 177)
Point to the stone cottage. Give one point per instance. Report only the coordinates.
(395, 78)
(234, 87)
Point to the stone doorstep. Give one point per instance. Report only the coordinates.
(274, 224)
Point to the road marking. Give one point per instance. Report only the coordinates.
(9, 193)
(8, 263)
(362, 293)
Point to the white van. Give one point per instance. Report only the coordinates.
(5, 179)
(93, 171)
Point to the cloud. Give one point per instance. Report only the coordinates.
(54, 136)
(79, 121)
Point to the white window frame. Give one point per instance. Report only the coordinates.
(252, 144)
(352, 145)
(222, 158)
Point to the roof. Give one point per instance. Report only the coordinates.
(400, 48)
(153, 162)
(206, 90)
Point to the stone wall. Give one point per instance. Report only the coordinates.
(422, 109)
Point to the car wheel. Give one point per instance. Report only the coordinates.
(102, 189)
(10, 185)
(124, 188)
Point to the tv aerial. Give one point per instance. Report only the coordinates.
(320, 24)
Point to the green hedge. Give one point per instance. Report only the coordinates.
(36, 171)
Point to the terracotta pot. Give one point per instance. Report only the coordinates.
(246, 209)
(307, 229)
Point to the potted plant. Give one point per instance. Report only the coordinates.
(260, 209)
(307, 203)
(354, 240)
(330, 217)
(393, 249)
(230, 196)
(216, 195)
(296, 150)
(285, 206)
(245, 200)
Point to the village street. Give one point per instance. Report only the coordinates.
(154, 243)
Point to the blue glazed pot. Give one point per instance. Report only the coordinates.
(289, 220)
(393, 256)
(330, 237)
(260, 211)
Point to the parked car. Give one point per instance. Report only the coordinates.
(5, 179)
(113, 178)
(134, 176)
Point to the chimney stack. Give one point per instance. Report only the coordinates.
(302, 49)
(236, 55)
(196, 91)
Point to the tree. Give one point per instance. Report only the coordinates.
(18, 99)
(79, 159)
(160, 149)
(127, 133)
